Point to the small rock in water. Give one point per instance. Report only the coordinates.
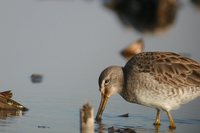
(36, 78)
(39, 126)
(124, 115)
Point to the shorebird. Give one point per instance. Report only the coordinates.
(161, 80)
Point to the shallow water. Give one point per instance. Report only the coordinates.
(70, 43)
(58, 115)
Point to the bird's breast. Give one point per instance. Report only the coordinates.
(144, 89)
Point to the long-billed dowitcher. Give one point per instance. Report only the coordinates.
(161, 80)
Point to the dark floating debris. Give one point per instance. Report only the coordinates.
(145, 15)
(6, 103)
(120, 130)
(124, 115)
(36, 78)
(39, 126)
(133, 49)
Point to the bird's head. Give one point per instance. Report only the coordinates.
(111, 82)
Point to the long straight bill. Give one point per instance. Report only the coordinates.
(102, 106)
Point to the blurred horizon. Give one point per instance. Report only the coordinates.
(70, 42)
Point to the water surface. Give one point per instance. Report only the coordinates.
(70, 43)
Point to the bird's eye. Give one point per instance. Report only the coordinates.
(107, 81)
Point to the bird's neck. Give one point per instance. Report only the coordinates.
(124, 91)
(120, 81)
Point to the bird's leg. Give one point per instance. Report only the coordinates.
(157, 121)
(171, 121)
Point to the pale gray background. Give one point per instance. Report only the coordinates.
(70, 42)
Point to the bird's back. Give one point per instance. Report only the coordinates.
(161, 75)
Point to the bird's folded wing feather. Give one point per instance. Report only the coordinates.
(173, 69)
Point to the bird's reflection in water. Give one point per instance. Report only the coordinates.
(103, 128)
(100, 128)
(157, 130)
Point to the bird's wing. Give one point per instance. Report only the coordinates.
(174, 69)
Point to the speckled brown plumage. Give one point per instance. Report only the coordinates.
(166, 67)
(161, 80)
